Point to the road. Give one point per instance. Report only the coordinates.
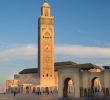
(44, 97)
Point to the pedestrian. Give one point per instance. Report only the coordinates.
(14, 93)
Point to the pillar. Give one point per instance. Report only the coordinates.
(76, 83)
(106, 74)
(85, 82)
(60, 85)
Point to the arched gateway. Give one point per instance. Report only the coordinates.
(64, 76)
(86, 81)
(68, 89)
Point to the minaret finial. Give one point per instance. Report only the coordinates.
(45, 0)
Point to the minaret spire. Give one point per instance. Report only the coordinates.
(45, 10)
(45, 0)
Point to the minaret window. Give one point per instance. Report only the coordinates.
(46, 35)
(46, 12)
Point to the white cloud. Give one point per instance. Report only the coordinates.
(29, 51)
(82, 51)
(25, 52)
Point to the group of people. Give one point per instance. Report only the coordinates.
(46, 91)
(41, 91)
(38, 91)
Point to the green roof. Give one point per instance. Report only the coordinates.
(29, 71)
(64, 63)
(61, 65)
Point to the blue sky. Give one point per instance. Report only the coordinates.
(82, 31)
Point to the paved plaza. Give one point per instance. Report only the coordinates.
(45, 97)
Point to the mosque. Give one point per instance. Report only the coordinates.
(58, 77)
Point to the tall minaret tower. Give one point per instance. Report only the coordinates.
(46, 46)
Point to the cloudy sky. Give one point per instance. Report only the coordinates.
(82, 33)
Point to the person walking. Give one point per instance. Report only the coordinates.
(14, 93)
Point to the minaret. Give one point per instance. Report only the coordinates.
(46, 46)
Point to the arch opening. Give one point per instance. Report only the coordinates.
(96, 85)
(27, 90)
(68, 90)
(34, 90)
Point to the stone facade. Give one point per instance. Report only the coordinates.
(11, 85)
(75, 73)
(32, 78)
(83, 81)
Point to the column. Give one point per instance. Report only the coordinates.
(76, 82)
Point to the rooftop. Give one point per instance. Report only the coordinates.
(61, 65)
(29, 70)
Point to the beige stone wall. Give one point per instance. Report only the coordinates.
(95, 70)
(11, 83)
(106, 78)
(56, 79)
(84, 80)
(73, 74)
(27, 79)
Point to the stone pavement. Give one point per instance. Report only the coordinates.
(45, 97)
